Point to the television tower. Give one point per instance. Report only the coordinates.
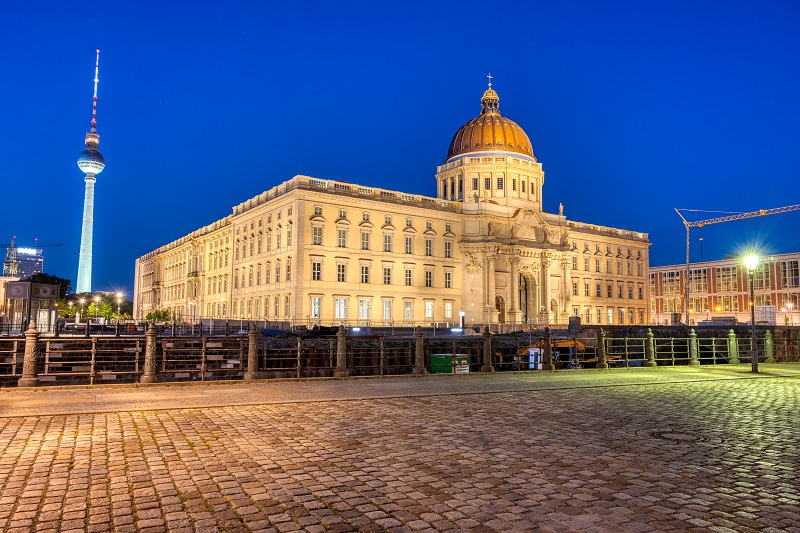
(91, 163)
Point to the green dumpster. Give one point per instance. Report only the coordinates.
(442, 363)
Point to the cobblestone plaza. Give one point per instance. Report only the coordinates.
(621, 450)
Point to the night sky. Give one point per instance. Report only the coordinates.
(633, 108)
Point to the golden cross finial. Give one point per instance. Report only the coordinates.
(490, 79)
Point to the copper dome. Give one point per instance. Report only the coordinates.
(490, 131)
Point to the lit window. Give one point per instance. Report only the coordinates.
(429, 310)
(340, 308)
(387, 309)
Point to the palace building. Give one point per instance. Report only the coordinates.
(312, 250)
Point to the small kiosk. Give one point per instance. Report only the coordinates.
(25, 301)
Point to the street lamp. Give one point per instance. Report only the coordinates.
(119, 301)
(790, 305)
(82, 301)
(751, 262)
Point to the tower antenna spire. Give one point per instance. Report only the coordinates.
(94, 98)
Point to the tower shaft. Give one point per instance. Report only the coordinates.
(85, 259)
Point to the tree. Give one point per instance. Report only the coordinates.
(66, 284)
(105, 310)
(159, 315)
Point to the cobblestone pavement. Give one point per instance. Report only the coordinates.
(642, 450)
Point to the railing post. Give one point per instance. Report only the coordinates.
(383, 357)
(299, 352)
(29, 377)
(252, 354)
(419, 353)
(601, 349)
(547, 351)
(733, 349)
(487, 351)
(693, 359)
(341, 354)
(149, 375)
(769, 347)
(650, 349)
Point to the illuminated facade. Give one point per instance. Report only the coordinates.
(719, 291)
(320, 251)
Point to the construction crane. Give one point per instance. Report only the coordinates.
(729, 218)
(10, 264)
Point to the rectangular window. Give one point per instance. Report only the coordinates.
(387, 309)
(387, 219)
(726, 279)
(387, 243)
(513, 185)
(365, 217)
(522, 185)
(315, 307)
(408, 277)
(340, 272)
(447, 280)
(619, 291)
(599, 316)
(288, 270)
(409, 311)
(608, 267)
(487, 184)
(278, 238)
(630, 292)
(277, 272)
(609, 292)
(761, 277)
(586, 263)
(428, 247)
(387, 276)
(363, 309)
(448, 310)
(342, 213)
(639, 269)
(474, 184)
(597, 265)
(610, 316)
(364, 274)
(288, 237)
(429, 310)
(286, 305)
(409, 222)
(409, 245)
(340, 308)
(574, 262)
(630, 268)
(574, 288)
(277, 305)
(641, 293)
(598, 291)
(317, 210)
(619, 268)
(269, 241)
(267, 270)
(364, 240)
(448, 249)
(316, 271)
(341, 240)
(586, 289)
(499, 184)
(316, 235)
(258, 275)
(429, 278)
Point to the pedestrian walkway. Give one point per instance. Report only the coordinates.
(679, 449)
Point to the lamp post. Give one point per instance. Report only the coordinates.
(96, 305)
(790, 305)
(751, 262)
(119, 303)
(82, 301)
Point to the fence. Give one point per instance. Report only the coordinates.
(93, 360)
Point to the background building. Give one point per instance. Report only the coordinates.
(719, 291)
(320, 251)
(30, 261)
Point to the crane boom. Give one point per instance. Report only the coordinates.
(717, 220)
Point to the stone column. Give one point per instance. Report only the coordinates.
(769, 345)
(601, 349)
(566, 275)
(733, 349)
(341, 354)
(29, 376)
(547, 353)
(419, 353)
(490, 262)
(150, 375)
(514, 303)
(487, 351)
(545, 285)
(693, 360)
(252, 353)
(650, 350)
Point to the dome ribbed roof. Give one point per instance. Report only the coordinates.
(490, 131)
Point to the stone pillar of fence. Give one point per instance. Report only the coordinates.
(547, 350)
(341, 354)
(650, 350)
(693, 359)
(769, 347)
(252, 353)
(419, 353)
(733, 349)
(150, 375)
(601, 349)
(487, 350)
(29, 376)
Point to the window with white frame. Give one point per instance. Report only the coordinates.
(341, 238)
(409, 248)
(364, 273)
(316, 270)
(340, 308)
(448, 280)
(428, 246)
(387, 309)
(363, 309)
(316, 235)
(341, 270)
(448, 310)
(408, 312)
(315, 306)
(408, 277)
(429, 310)
(448, 249)
(387, 243)
(387, 275)
(342, 213)
(429, 278)
(365, 240)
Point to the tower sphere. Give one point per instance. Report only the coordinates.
(91, 161)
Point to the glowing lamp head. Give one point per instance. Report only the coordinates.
(751, 262)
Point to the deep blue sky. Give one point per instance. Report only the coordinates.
(633, 108)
